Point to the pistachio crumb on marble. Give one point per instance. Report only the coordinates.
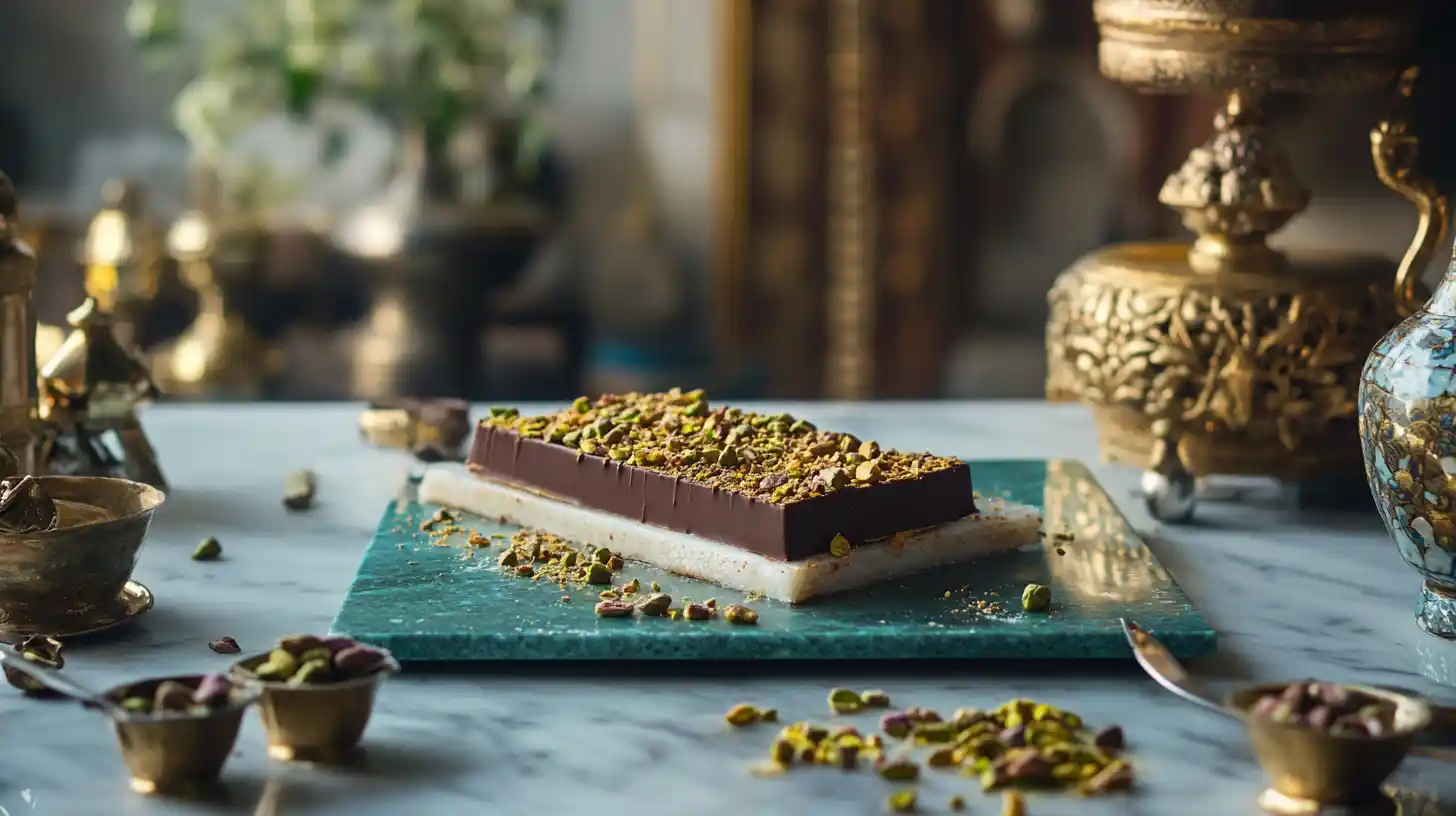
(210, 549)
(1022, 744)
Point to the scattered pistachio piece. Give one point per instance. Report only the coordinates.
(897, 770)
(941, 758)
(656, 604)
(845, 701)
(769, 715)
(839, 546)
(209, 550)
(740, 614)
(933, 733)
(614, 609)
(902, 802)
(299, 487)
(1117, 776)
(225, 645)
(896, 725)
(1036, 598)
(874, 698)
(1012, 804)
(957, 803)
(1110, 738)
(598, 574)
(697, 612)
(743, 714)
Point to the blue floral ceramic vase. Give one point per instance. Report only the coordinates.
(1407, 397)
(1408, 431)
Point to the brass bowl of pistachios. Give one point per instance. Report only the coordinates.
(1325, 743)
(318, 694)
(68, 545)
(179, 731)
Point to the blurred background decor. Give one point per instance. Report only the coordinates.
(459, 207)
(867, 198)
(1227, 356)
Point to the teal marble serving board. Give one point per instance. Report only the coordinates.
(432, 603)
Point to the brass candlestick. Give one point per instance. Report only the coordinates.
(17, 336)
(1226, 356)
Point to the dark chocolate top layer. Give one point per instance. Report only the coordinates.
(770, 484)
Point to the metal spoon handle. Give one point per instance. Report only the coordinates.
(1160, 665)
(60, 683)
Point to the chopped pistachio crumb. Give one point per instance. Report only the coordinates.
(209, 550)
(743, 714)
(845, 701)
(902, 802)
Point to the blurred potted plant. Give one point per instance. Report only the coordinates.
(461, 86)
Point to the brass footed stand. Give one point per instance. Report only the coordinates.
(1226, 356)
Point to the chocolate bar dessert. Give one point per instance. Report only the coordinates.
(753, 501)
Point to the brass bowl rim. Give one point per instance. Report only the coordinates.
(249, 692)
(1242, 700)
(387, 667)
(154, 499)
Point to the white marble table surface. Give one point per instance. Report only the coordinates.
(1291, 595)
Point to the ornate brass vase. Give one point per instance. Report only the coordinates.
(1226, 356)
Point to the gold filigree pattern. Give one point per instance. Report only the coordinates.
(1251, 364)
(1413, 442)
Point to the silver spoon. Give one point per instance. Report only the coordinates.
(1160, 665)
(61, 684)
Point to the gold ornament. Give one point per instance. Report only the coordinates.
(1226, 356)
(90, 391)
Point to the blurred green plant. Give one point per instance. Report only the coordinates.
(428, 66)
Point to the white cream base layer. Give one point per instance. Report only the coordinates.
(1001, 526)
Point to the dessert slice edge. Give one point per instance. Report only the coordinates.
(999, 526)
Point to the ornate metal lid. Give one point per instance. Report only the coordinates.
(1335, 46)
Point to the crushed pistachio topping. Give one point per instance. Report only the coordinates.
(771, 457)
(1021, 745)
(543, 557)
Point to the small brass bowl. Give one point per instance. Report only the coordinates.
(1307, 766)
(178, 754)
(50, 580)
(315, 723)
